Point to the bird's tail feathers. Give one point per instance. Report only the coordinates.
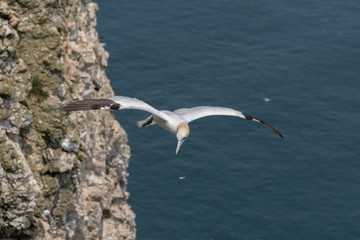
(147, 122)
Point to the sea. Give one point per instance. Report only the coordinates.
(293, 64)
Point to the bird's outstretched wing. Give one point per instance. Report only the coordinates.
(191, 114)
(113, 103)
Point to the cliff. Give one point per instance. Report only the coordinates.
(61, 176)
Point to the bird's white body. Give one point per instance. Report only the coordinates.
(175, 122)
(170, 125)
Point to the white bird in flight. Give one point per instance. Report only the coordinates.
(176, 122)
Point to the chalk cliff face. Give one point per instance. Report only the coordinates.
(61, 176)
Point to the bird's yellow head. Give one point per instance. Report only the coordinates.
(182, 133)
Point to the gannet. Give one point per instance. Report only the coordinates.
(176, 122)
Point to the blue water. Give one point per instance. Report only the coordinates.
(241, 180)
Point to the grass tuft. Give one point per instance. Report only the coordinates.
(37, 90)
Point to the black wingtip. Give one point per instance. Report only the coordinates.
(61, 109)
(270, 127)
(90, 104)
(248, 117)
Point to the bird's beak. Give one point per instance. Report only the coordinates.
(180, 142)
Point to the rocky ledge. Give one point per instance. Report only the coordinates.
(61, 176)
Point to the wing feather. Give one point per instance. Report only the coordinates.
(113, 103)
(136, 104)
(90, 104)
(191, 114)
